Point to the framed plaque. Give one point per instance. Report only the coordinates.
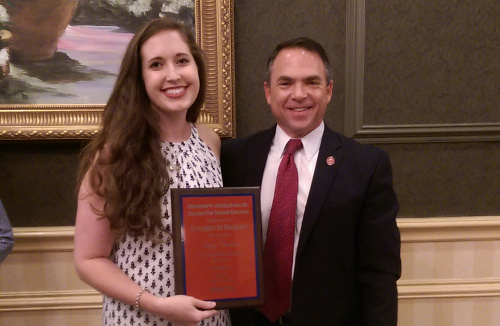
(218, 245)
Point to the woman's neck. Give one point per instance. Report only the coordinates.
(175, 131)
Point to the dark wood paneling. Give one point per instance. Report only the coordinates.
(432, 62)
(259, 26)
(440, 179)
(37, 182)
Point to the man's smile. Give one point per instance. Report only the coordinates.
(300, 109)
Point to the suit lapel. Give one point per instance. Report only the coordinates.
(257, 149)
(324, 175)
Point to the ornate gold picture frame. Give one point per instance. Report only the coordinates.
(215, 34)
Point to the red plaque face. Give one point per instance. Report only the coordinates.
(218, 245)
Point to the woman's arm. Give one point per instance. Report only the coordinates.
(93, 243)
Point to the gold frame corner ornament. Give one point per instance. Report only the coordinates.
(214, 32)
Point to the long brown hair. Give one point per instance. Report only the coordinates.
(123, 161)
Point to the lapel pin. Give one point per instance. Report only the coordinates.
(330, 160)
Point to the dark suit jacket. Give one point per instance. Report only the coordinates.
(348, 256)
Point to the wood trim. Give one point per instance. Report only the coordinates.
(430, 229)
(43, 239)
(90, 299)
(448, 229)
(354, 66)
(50, 300)
(431, 289)
(413, 230)
(425, 133)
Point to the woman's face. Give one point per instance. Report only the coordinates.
(170, 73)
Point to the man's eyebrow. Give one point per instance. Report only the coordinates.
(308, 79)
(312, 78)
(284, 79)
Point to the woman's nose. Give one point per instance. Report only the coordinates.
(172, 73)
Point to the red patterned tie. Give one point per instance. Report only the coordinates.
(278, 251)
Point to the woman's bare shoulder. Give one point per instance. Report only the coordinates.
(209, 137)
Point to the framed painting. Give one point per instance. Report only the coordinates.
(56, 76)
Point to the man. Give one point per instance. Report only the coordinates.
(346, 244)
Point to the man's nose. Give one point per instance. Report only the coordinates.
(299, 92)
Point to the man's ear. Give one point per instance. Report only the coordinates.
(267, 92)
(329, 90)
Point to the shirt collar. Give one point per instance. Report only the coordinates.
(310, 142)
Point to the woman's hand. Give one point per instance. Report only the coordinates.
(179, 309)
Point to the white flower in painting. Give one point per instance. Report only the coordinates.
(175, 6)
(136, 7)
(139, 7)
(4, 16)
(4, 57)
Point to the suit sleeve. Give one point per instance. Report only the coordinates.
(229, 164)
(378, 244)
(6, 234)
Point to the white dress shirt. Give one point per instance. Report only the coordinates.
(305, 160)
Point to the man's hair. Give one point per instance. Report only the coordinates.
(306, 43)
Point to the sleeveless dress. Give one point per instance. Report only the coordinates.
(191, 164)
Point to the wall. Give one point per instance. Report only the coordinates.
(38, 182)
(420, 79)
(451, 276)
(39, 285)
(451, 271)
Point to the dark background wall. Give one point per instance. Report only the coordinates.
(38, 182)
(259, 27)
(428, 64)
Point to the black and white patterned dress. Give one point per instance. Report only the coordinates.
(191, 165)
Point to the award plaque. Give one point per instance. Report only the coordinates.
(218, 245)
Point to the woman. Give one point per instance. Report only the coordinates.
(148, 143)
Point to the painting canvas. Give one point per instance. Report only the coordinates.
(80, 65)
(59, 60)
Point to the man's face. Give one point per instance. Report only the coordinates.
(297, 91)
